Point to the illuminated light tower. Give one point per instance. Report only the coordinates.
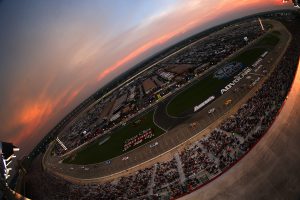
(7, 151)
(7, 154)
(296, 3)
(261, 24)
(61, 144)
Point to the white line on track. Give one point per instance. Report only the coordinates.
(256, 74)
(155, 122)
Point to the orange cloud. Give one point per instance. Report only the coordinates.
(32, 117)
(37, 110)
(134, 54)
(161, 40)
(35, 115)
(220, 8)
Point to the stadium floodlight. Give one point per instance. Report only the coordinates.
(261, 24)
(296, 3)
(7, 151)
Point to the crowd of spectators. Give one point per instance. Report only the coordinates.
(194, 160)
(129, 187)
(166, 173)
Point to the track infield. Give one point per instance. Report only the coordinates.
(183, 104)
(113, 147)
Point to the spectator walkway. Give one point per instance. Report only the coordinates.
(151, 184)
(180, 170)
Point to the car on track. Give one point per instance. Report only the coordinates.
(153, 145)
(125, 158)
(211, 111)
(227, 102)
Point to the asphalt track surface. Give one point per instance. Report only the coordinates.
(143, 156)
(271, 170)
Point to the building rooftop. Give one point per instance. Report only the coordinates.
(148, 85)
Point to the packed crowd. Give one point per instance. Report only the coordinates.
(196, 160)
(166, 174)
(125, 188)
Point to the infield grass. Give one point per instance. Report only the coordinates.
(203, 89)
(95, 153)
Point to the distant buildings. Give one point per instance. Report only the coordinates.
(158, 82)
(149, 85)
(131, 94)
(115, 116)
(166, 75)
(106, 110)
(119, 102)
(179, 69)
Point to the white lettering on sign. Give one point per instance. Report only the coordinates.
(239, 77)
(204, 103)
(257, 62)
(254, 82)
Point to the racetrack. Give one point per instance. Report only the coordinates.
(171, 142)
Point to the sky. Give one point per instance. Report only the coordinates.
(54, 54)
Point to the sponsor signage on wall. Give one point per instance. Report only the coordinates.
(196, 108)
(236, 80)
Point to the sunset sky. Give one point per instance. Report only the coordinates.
(54, 54)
